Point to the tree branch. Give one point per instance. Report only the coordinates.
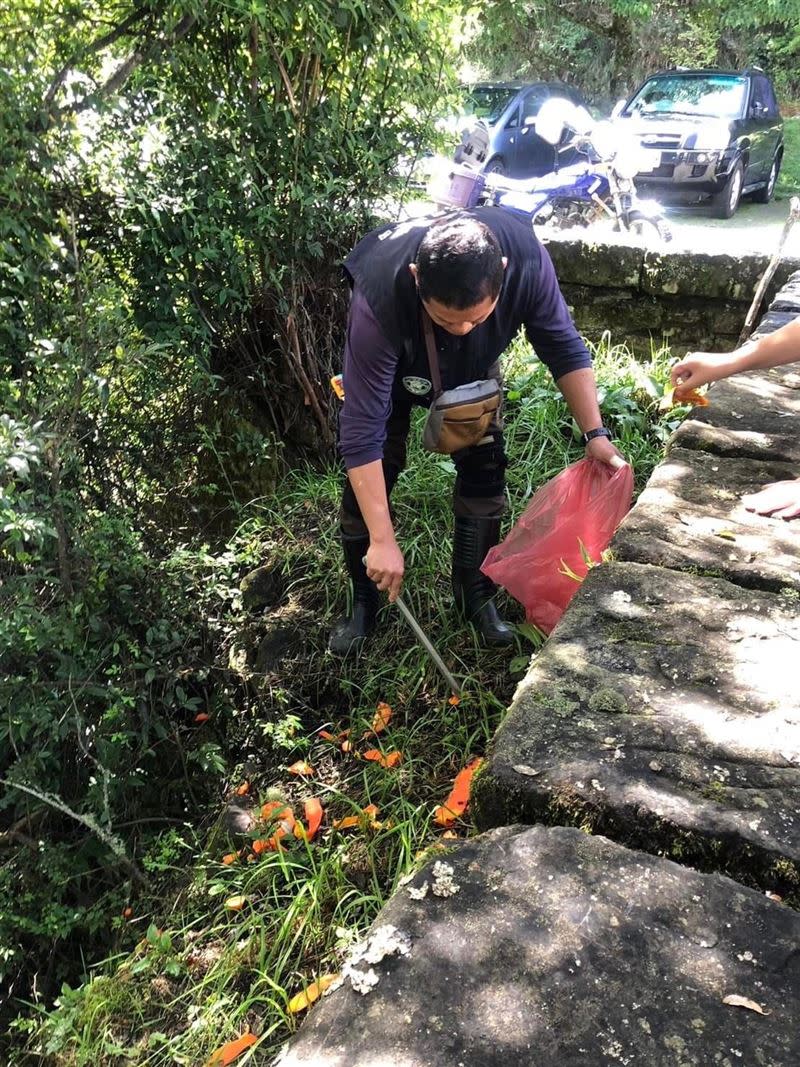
(96, 46)
(128, 66)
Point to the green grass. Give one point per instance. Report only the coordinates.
(191, 975)
(789, 178)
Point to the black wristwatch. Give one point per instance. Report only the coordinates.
(600, 431)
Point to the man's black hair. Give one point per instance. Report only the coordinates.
(459, 263)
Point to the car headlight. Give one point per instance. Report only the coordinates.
(707, 157)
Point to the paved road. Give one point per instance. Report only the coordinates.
(754, 228)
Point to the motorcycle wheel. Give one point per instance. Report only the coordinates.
(648, 226)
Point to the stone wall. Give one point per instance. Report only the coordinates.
(695, 300)
(663, 713)
(664, 709)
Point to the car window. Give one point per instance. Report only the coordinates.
(488, 102)
(770, 99)
(718, 95)
(764, 96)
(533, 102)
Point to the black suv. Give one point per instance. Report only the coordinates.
(706, 134)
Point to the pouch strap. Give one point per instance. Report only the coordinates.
(433, 359)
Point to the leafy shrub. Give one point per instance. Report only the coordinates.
(170, 311)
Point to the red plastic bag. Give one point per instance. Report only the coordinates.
(572, 516)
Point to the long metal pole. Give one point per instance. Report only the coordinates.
(455, 688)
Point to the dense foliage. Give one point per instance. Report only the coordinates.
(187, 973)
(178, 182)
(608, 47)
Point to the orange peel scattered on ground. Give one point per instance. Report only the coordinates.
(275, 811)
(458, 800)
(380, 719)
(389, 759)
(301, 1001)
(313, 813)
(366, 818)
(235, 903)
(326, 735)
(231, 1050)
(301, 768)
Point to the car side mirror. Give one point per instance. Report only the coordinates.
(618, 108)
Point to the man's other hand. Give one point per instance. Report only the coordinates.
(601, 448)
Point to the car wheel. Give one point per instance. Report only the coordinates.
(495, 166)
(725, 202)
(764, 195)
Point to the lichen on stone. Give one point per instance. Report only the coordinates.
(443, 884)
(363, 981)
(608, 700)
(384, 941)
(556, 701)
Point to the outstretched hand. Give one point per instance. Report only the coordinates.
(696, 369)
(781, 500)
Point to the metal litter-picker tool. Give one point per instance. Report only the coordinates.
(422, 637)
(455, 688)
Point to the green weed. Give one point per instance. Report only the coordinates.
(789, 178)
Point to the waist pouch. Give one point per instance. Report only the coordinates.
(457, 417)
(460, 417)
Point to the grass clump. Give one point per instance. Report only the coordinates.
(188, 973)
(789, 177)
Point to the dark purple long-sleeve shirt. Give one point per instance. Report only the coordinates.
(370, 363)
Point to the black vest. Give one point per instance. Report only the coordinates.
(378, 265)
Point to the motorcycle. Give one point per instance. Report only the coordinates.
(576, 195)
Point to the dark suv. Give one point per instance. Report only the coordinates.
(500, 133)
(706, 135)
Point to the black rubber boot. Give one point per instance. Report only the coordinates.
(351, 632)
(473, 591)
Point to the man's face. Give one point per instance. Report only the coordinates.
(460, 321)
